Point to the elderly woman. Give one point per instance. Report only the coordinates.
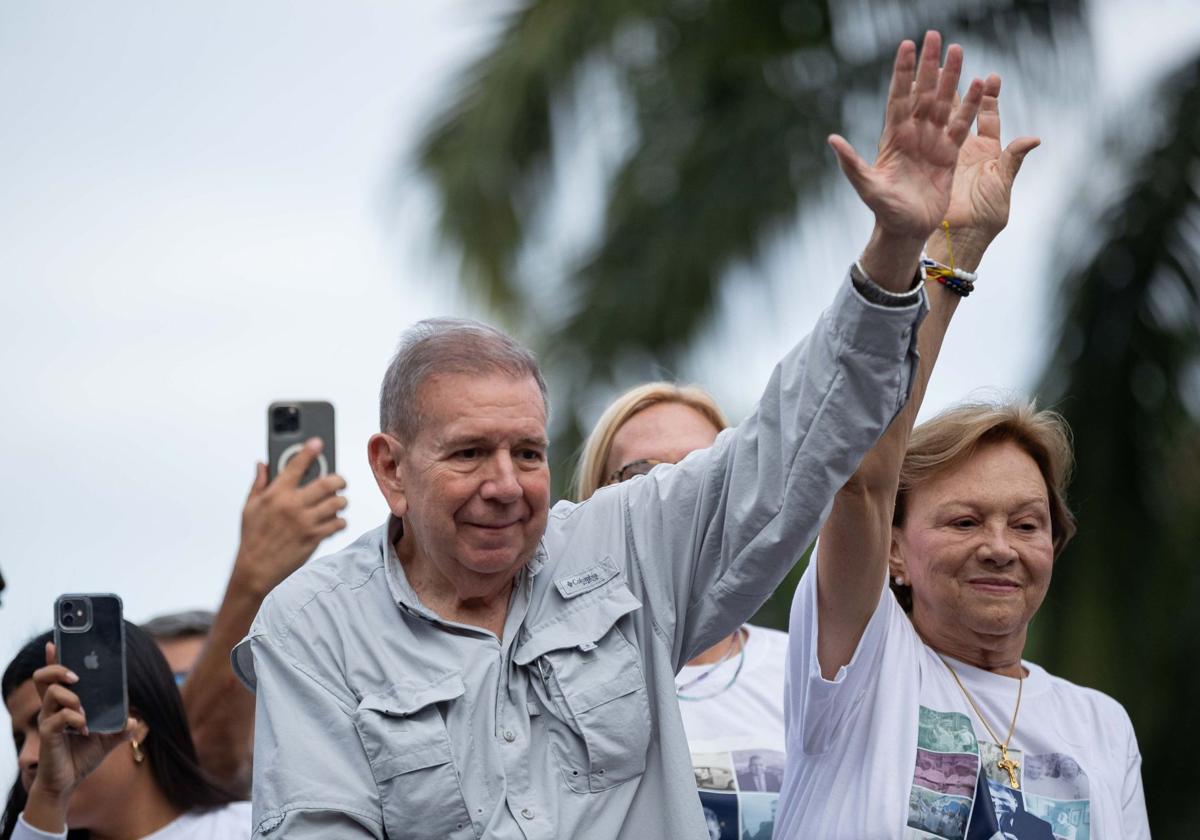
(731, 695)
(910, 710)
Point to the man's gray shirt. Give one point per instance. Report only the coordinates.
(376, 718)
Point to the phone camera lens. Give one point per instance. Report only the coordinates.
(67, 607)
(286, 418)
(68, 620)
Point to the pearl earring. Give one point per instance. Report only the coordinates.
(899, 580)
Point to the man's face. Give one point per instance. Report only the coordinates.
(181, 653)
(1005, 802)
(474, 483)
(755, 764)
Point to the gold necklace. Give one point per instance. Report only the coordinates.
(1005, 763)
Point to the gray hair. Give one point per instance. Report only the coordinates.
(438, 346)
(179, 625)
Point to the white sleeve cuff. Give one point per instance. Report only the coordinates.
(24, 831)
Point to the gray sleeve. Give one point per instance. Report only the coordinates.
(710, 538)
(311, 775)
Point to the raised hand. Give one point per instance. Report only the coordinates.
(982, 190)
(908, 187)
(283, 523)
(64, 758)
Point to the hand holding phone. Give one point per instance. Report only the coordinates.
(77, 734)
(70, 749)
(293, 505)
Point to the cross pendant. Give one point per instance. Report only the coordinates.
(1010, 767)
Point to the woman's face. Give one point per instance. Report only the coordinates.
(976, 546)
(665, 431)
(92, 802)
(23, 707)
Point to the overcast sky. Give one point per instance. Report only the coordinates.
(198, 217)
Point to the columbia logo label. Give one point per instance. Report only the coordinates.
(585, 581)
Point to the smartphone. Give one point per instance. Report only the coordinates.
(89, 635)
(289, 425)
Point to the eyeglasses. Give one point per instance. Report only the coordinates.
(634, 469)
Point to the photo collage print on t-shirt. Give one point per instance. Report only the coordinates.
(739, 790)
(960, 791)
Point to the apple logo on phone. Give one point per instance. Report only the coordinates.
(91, 661)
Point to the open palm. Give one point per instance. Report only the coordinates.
(982, 190)
(909, 186)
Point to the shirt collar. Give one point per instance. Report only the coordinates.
(406, 597)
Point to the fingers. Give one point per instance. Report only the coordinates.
(855, 167)
(1014, 155)
(947, 86)
(989, 109)
(52, 674)
(329, 507)
(260, 480)
(903, 77)
(927, 73)
(331, 527)
(964, 115)
(61, 708)
(316, 491)
(60, 721)
(294, 470)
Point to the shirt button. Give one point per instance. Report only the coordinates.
(527, 813)
(509, 735)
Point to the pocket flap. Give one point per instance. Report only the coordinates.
(629, 681)
(405, 698)
(588, 618)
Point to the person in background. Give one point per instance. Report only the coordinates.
(730, 695)
(181, 637)
(143, 782)
(283, 522)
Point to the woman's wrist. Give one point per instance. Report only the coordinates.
(964, 250)
(46, 809)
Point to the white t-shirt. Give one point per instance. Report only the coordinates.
(891, 747)
(736, 735)
(232, 822)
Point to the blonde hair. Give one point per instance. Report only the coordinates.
(952, 437)
(591, 473)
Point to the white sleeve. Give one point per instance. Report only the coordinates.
(24, 831)
(815, 708)
(1135, 822)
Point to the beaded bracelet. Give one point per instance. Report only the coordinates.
(955, 279)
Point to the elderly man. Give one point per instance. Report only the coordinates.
(483, 666)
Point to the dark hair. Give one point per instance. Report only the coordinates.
(154, 697)
(179, 625)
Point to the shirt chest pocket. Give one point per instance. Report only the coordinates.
(588, 675)
(404, 737)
